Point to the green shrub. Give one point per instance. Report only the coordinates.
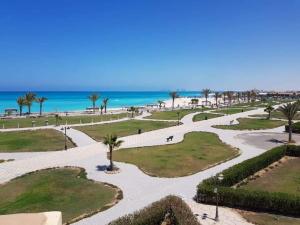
(295, 128)
(155, 213)
(293, 150)
(281, 203)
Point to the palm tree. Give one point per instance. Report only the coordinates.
(94, 97)
(41, 100)
(230, 96)
(29, 99)
(101, 108)
(133, 110)
(217, 95)
(112, 141)
(105, 101)
(160, 103)
(57, 118)
(194, 101)
(253, 95)
(289, 110)
(239, 96)
(269, 109)
(173, 95)
(248, 93)
(21, 102)
(206, 93)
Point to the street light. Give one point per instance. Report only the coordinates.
(65, 128)
(220, 178)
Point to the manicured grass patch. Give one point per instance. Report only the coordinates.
(41, 121)
(232, 110)
(196, 152)
(125, 128)
(64, 189)
(285, 179)
(252, 124)
(269, 219)
(179, 213)
(33, 141)
(276, 115)
(172, 115)
(204, 116)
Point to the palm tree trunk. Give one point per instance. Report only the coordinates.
(20, 107)
(105, 108)
(110, 158)
(29, 109)
(173, 103)
(290, 130)
(94, 105)
(41, 109)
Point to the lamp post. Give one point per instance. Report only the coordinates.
(65, 128)
(220, 178)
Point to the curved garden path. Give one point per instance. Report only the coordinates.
(138, 188)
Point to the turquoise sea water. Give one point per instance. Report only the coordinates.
(71, 101)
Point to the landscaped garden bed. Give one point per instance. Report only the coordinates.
(50, 120)
(33, 141)
(173, 115)
(59, 189)
(232, 195)
(205, 116)
(169, 210)
(198, 151)
(124, 128)
(252, 124)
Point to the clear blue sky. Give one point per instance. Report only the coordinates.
(149, 44)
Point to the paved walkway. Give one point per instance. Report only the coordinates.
(138, 188)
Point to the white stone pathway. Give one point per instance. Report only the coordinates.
(139, 189)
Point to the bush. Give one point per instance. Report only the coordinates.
(281, 203)
(293, 150)
(155, 213)
(295, 128)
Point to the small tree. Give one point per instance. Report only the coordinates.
(269, 109)
(111, 140)
(29, 99)
(94, 97)
(160, 103)
(217, 95)
(289, 110)
(21, 102)
(41, 100)
(101, 109)
(206, 93)
(57, 118)
(133, 110)
(105, 102)
(173, 95)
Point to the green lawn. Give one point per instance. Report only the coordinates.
(252, 124)
(33, 141)
(285, 178)
(172, 115)
(277, 115)
(196, 152)
(232, 110)
(64, 189)
(269, 219)
(41, 121)
(123, 128)
(203, 116)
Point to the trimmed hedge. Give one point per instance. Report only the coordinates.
(295, 128)
(155, 214)
(293, 150)
(281, 203)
